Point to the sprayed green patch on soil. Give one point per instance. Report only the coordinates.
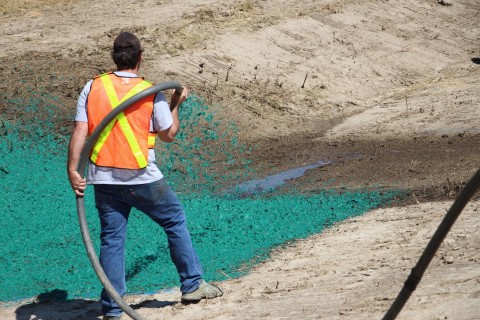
(42, 248)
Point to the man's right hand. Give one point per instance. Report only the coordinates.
(178, 98)
(183, 95)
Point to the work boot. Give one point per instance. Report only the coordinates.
(204, 291)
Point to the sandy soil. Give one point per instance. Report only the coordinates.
(395, 82)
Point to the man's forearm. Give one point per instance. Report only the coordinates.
(176, 123)
(75, 147)
(177, 99)
(77, 141)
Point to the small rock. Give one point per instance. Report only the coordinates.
(445, 2)
(448, 259)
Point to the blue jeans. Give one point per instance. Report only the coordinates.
(159, 202)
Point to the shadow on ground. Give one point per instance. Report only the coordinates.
(55, 305)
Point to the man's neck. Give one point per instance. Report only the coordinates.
(134, 71)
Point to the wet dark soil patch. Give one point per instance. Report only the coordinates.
(429, 168)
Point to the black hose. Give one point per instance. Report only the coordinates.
(417, 272)
(81, 168)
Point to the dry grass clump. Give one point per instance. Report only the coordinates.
(245, 5)
(335, 6)
(19, 6)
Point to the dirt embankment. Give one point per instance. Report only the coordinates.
(397, 79)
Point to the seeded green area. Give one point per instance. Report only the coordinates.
(42, 249)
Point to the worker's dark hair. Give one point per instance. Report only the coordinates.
(126, 51)
(126, 58)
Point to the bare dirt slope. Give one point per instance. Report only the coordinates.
(395, 82)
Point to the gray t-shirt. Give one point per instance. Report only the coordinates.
(161, 120)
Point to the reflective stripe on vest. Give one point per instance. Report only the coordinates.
(151, 139)
(123, 122)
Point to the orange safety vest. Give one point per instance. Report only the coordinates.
(125, 141)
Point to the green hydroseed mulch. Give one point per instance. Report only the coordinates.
(41, 247)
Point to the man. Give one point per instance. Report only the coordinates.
(124, 174)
